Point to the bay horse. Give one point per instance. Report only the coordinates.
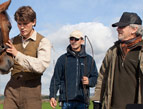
(6, 60)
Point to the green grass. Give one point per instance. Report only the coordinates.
(1, 106)
(46, 105)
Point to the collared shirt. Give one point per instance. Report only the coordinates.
(42, 61)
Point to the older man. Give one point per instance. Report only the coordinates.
(120, 76)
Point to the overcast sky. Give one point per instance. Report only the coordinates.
(56, 19)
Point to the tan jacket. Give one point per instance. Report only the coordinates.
(104, 86)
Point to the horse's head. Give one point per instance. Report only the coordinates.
(6, 61)
(5, 24)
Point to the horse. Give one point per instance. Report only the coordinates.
(6, 59)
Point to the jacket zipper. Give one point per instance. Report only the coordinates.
(77, 75)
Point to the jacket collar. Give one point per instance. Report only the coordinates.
(82, 52)
(117, 43)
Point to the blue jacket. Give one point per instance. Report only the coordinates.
(68, 73)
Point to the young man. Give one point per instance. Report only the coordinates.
(31, 52)
(75, 72)
(119, 82)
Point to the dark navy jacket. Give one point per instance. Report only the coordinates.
(68, 73)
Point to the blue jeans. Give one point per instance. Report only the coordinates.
(74, 105)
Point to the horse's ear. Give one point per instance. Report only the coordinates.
(4, 6)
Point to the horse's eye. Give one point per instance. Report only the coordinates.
(9, 27)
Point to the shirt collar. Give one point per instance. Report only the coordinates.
(32, 37)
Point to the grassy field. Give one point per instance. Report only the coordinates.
(46, 105)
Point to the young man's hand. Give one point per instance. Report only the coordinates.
(11, 49)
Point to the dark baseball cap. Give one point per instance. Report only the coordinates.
(128, 18)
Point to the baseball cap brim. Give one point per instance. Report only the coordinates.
(120, 24)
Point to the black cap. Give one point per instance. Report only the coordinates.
(128, 18)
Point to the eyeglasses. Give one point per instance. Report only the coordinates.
(73, 38)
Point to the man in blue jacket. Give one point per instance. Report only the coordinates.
(75, 72)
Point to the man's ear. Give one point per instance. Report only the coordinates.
(134, 30)
(34, 23)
